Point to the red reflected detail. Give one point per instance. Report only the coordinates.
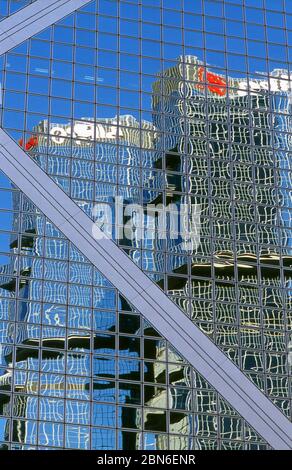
(215, 83)
(215, 80)
(200, 86)
(30, 144)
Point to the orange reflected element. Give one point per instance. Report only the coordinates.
(215, 83)
(30, 144)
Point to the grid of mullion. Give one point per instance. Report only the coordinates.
(50, 416)
(133, 69)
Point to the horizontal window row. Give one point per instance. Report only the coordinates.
(151, 65)
(54, 368)
(112, 74)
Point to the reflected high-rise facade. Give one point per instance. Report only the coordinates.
(229, 153)
(42, 341)
(111, 113)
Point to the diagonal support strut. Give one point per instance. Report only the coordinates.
(33, 19)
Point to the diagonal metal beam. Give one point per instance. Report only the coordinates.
(153, 304)
(32, 19)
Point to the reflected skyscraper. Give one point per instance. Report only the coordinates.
(50, 347)
(228, 151)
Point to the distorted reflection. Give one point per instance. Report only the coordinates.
(79, 366)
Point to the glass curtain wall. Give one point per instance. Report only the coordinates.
(183, 103)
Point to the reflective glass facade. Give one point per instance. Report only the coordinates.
(172, 102)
